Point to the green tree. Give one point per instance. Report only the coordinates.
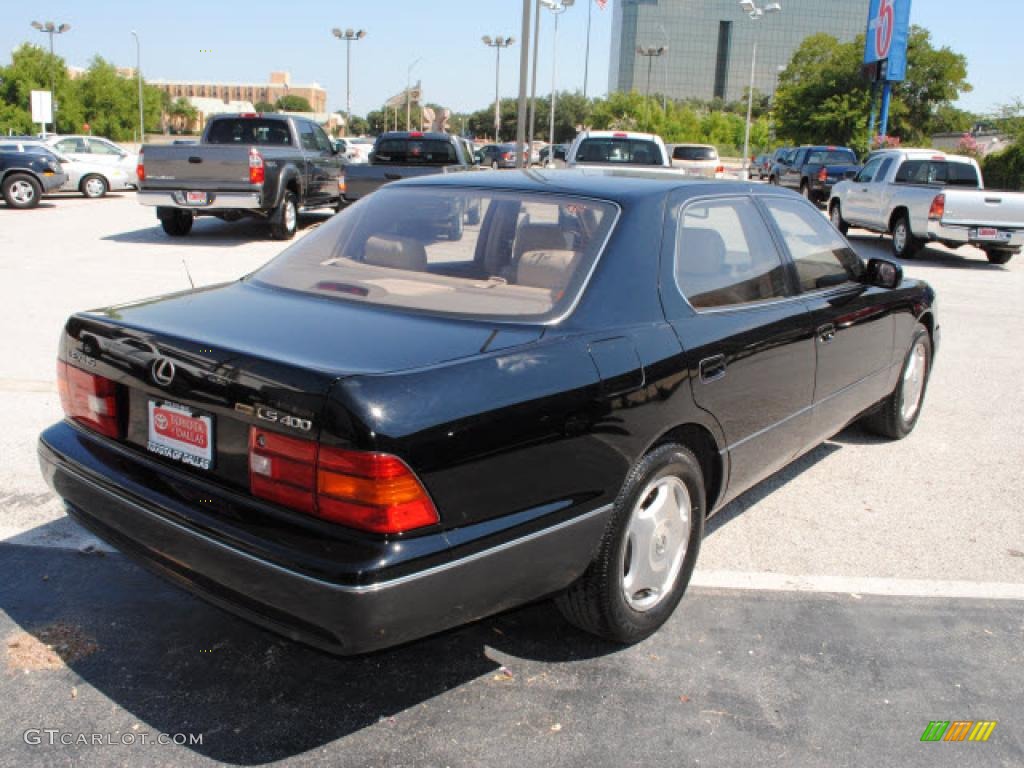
(108, 102)
(32, 68)
(264, 106)
(182, 114)
(292, 103)
(822, 96)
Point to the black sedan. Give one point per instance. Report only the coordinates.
(382, 434)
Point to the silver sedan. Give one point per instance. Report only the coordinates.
(90, 177)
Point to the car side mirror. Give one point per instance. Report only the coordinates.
(883, 273)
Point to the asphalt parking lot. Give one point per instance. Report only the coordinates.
(838, 607)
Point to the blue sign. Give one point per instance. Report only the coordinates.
(888, 32)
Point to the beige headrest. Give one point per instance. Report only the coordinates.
(547, 269)
(395, 253)
(539, 237)
(702, 252)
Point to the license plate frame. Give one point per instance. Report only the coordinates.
(180, 433)
(990, 235)
(195, 197)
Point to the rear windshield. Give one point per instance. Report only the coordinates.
(694, 153)
(832, 157)
(449, 251)
(249, 130)
(938, 172)
(415, 151)
(625, 151)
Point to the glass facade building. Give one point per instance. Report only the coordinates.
(710, 43)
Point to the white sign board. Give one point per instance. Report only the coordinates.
(42, 107)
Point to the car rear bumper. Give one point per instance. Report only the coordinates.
(961, 235)
(338, 618)
(217, 200)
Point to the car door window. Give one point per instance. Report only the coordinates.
(725, 256)
(72, 145)
(822, 257)
(102, 148)
(323, 143)
(883, 170)
(867, 173)
(307, 137)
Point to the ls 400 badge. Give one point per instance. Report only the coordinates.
(275, 417)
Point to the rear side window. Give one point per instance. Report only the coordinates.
(307, 136)
(249, 130)
(694, 153)
(415, 152)
(102, 148)
(72, 145)
(938, 172)
(822, 258)
(625, 151)
(832, 157)
(452, 251)
(725, 256)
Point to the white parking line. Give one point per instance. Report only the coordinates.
(858, 585)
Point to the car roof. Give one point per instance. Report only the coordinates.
(618, 135)
(416, 135)
(619, 185)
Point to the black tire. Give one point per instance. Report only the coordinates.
(835, 215)
(284, 221)
(494, 165)
(93, 186)
(455, 228)
(596, 602)
(773, 181)
(21, 191)
(473, 215)
(889, 420)
(997, 256)
(805, 190)
(177, 223)
(904, 244)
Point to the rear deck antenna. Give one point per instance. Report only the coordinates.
(187, 273)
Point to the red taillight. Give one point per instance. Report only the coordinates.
(507, 156)
(373, 492)
(619, 135)
(88, 399)
(938, 209)
(720, 169)
(415, 134)
(140, 168)
(256, 175)
(822, 175)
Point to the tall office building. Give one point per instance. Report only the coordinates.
(710, 43)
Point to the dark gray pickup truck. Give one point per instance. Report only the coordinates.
(266, 166)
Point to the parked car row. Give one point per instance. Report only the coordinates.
(31, 167)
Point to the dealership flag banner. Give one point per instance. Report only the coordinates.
(887, 36)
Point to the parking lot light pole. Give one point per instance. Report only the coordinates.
(408, 96)
(51, 29)
(349, 35)
(138, 74)
(557, 7)
(497, 44)
(650, 52)
(756, 14)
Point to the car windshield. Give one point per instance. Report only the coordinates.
(832, 157)
(415, 151)
(249, 130)
(694, 153)
(619, 150)
(452, 251)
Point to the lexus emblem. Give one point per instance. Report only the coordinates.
(163, 371)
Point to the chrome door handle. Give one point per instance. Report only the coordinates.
(827, 333)
(712, 368)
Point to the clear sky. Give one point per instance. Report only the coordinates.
(247, 40)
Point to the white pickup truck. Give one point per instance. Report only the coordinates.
(923, 196)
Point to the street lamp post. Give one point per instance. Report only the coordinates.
(649, 52)
(756, 14)
(533, 77)
(138, 73)
(51, 29)
(497, 44)
(349, 35)
(557, 7)
(408, 96)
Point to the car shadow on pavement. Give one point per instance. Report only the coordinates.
(178, 665)
(40, 207)
(771, 484)
(212, 231)
(866, 246)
